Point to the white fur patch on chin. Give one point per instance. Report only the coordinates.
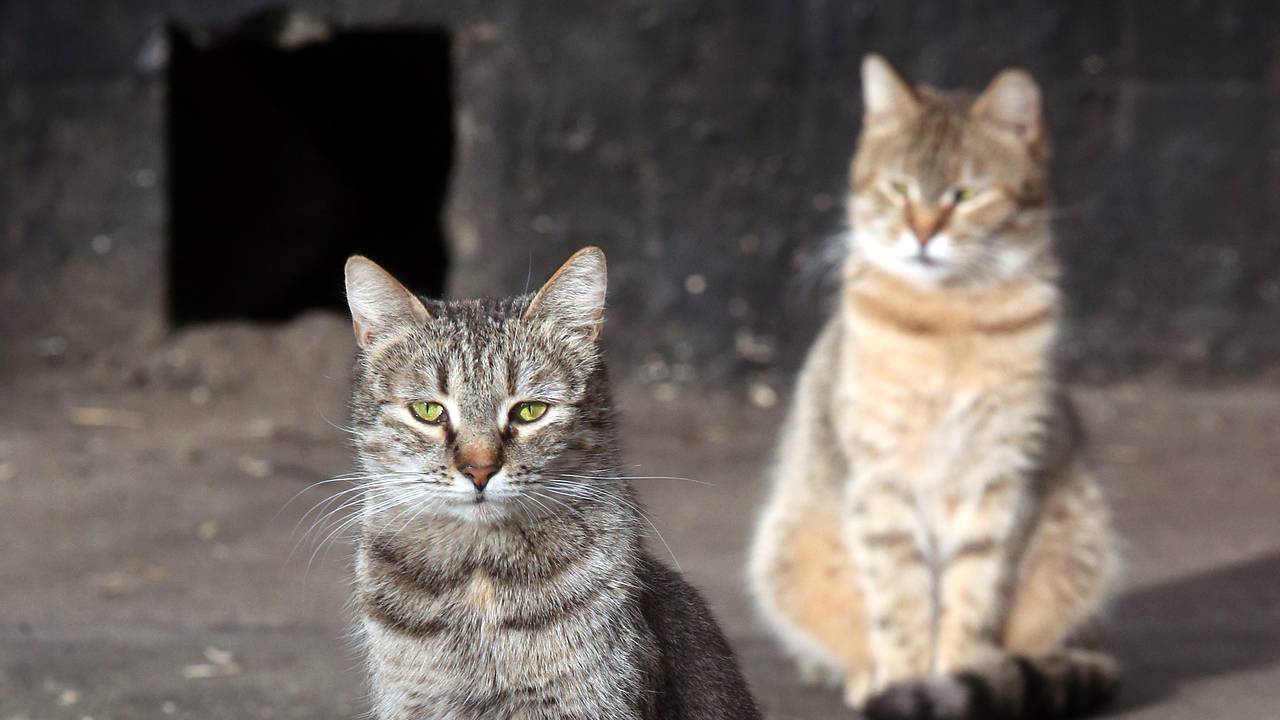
(486, 511)
(901, 257)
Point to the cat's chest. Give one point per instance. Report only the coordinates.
(456, 631)
(924, 431)
(456, 592)
(933, 406)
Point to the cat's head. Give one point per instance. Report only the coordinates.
(949, 189)
(478, 408)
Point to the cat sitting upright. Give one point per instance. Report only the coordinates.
(934, 541)
(500, 571)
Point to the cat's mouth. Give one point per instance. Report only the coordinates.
(924, 259)
(496, 499)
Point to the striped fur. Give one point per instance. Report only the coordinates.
(933, 541)
(532, 597)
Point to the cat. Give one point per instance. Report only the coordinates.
(933, 541)
(500, 570)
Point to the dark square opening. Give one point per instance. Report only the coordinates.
(287, 153)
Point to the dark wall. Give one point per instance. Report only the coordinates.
(704, 146)
(283, 162)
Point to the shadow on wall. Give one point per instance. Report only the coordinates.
(1217, 622)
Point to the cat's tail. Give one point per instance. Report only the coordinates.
(1066, 684)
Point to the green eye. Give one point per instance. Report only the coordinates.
(530, 411)
(899, 187)
(961, 194)
(428, 412)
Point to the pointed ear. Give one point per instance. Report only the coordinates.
(574, 296)
(885, 95)
(379, 303)
(1012, 103)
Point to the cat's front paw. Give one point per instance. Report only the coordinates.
(858, 686)
(935, 698)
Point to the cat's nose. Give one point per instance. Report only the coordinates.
(925, 231)
(927, 223)
(480, 474)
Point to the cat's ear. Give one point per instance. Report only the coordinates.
(1012, 103)
(379, 303)
(885, 95)
(574, 296)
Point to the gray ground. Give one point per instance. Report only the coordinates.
(147, 535)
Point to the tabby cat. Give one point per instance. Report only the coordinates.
(933, 540)
(501, 572)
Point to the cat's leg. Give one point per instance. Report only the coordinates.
(816, 602)
(802, 571)
(1068, 569)
(882, 527)
(980, 548)
(1064, 573)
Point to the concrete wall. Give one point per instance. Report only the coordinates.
(704, 146)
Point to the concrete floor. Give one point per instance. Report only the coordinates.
(149, 571)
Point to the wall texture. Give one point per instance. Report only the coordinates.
(704, 146)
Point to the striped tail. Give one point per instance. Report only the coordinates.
(1066, 684)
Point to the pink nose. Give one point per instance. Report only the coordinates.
(923, 236)
(927, 223)
(480, 474)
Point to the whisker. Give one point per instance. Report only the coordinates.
(635, 508)
(620, 478)
(561, 503)
(347, 477)
(533, 496)
(392, 498)
(311, 486)
(346, 523)
(350, 431)
(381, 484)
(422, 507)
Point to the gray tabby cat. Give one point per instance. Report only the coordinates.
(501, 571)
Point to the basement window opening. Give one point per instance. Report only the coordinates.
(292, 145)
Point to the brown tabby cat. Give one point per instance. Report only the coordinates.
(501, 571)
(933, 539)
